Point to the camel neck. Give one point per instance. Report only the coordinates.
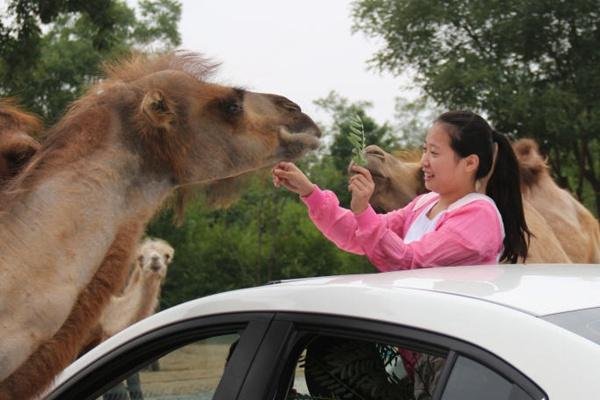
(72, 216)
(139, 300)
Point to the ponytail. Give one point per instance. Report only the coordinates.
(504, 187)
(471, 134)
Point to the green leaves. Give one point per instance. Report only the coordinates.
(530, 66)
(56, 48)
(356, 136)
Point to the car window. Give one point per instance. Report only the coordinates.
(585, 323)
(330, 367)
(189, 372)
(470, 380)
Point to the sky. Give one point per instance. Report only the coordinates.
(299, 49)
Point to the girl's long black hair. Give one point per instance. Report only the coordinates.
(471, 134)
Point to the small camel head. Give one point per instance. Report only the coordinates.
(532, 165)
(397, 181)
(17, 146)
(154, 257)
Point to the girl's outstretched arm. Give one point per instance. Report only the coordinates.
(289, 176)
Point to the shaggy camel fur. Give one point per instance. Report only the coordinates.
(71, 220)
(17, 145)
(397, 181)
(574, 225)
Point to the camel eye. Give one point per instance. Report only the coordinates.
(167, 257)
(233, 108)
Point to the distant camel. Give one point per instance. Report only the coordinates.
(574, 225)
(71, 220)
(17, 145)
(139, 299)
(141, 295)
(398, 179)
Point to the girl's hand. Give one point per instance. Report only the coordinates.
(361, 186)
(289, 176)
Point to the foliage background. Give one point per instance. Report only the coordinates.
(529, 66)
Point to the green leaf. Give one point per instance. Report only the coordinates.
(356, 137)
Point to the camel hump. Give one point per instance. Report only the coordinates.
(531, 163)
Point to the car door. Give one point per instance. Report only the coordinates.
(311, 356)
(202, 358)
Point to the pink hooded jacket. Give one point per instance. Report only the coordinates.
(469, 232)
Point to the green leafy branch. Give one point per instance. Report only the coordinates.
(356, 136)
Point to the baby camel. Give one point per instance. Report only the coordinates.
(142, 293)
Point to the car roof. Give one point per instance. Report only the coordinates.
(537, 289)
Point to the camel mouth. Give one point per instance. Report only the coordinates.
(155, 267)
(376, 174)
(294, 145)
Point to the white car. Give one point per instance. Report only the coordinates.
(507, 332)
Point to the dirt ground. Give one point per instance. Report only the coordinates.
(193, 369)
(193, 372)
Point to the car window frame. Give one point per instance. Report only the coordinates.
(299, 323)
(106, 371)
(449, 367)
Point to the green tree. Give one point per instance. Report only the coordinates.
(529, 66)
(51, 50)
(413, 117)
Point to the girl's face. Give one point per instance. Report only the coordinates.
(445, 172)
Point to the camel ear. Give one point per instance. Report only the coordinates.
(15, 154)
(158, 109)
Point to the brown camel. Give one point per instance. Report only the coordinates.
(17, 145)
(574, 225)
(399, 179)
(71, 220)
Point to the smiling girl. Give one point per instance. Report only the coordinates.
(453, 224)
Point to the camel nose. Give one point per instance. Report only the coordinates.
(287, 104)
(373, 150)
(155, 258)
(155, 267)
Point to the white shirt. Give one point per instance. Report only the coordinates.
(423, 224)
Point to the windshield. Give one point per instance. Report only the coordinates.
(585, 323)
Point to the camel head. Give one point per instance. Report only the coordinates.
(202, 132)
(154, 257)
(398, 180)
(17, 145)
(532, 166)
